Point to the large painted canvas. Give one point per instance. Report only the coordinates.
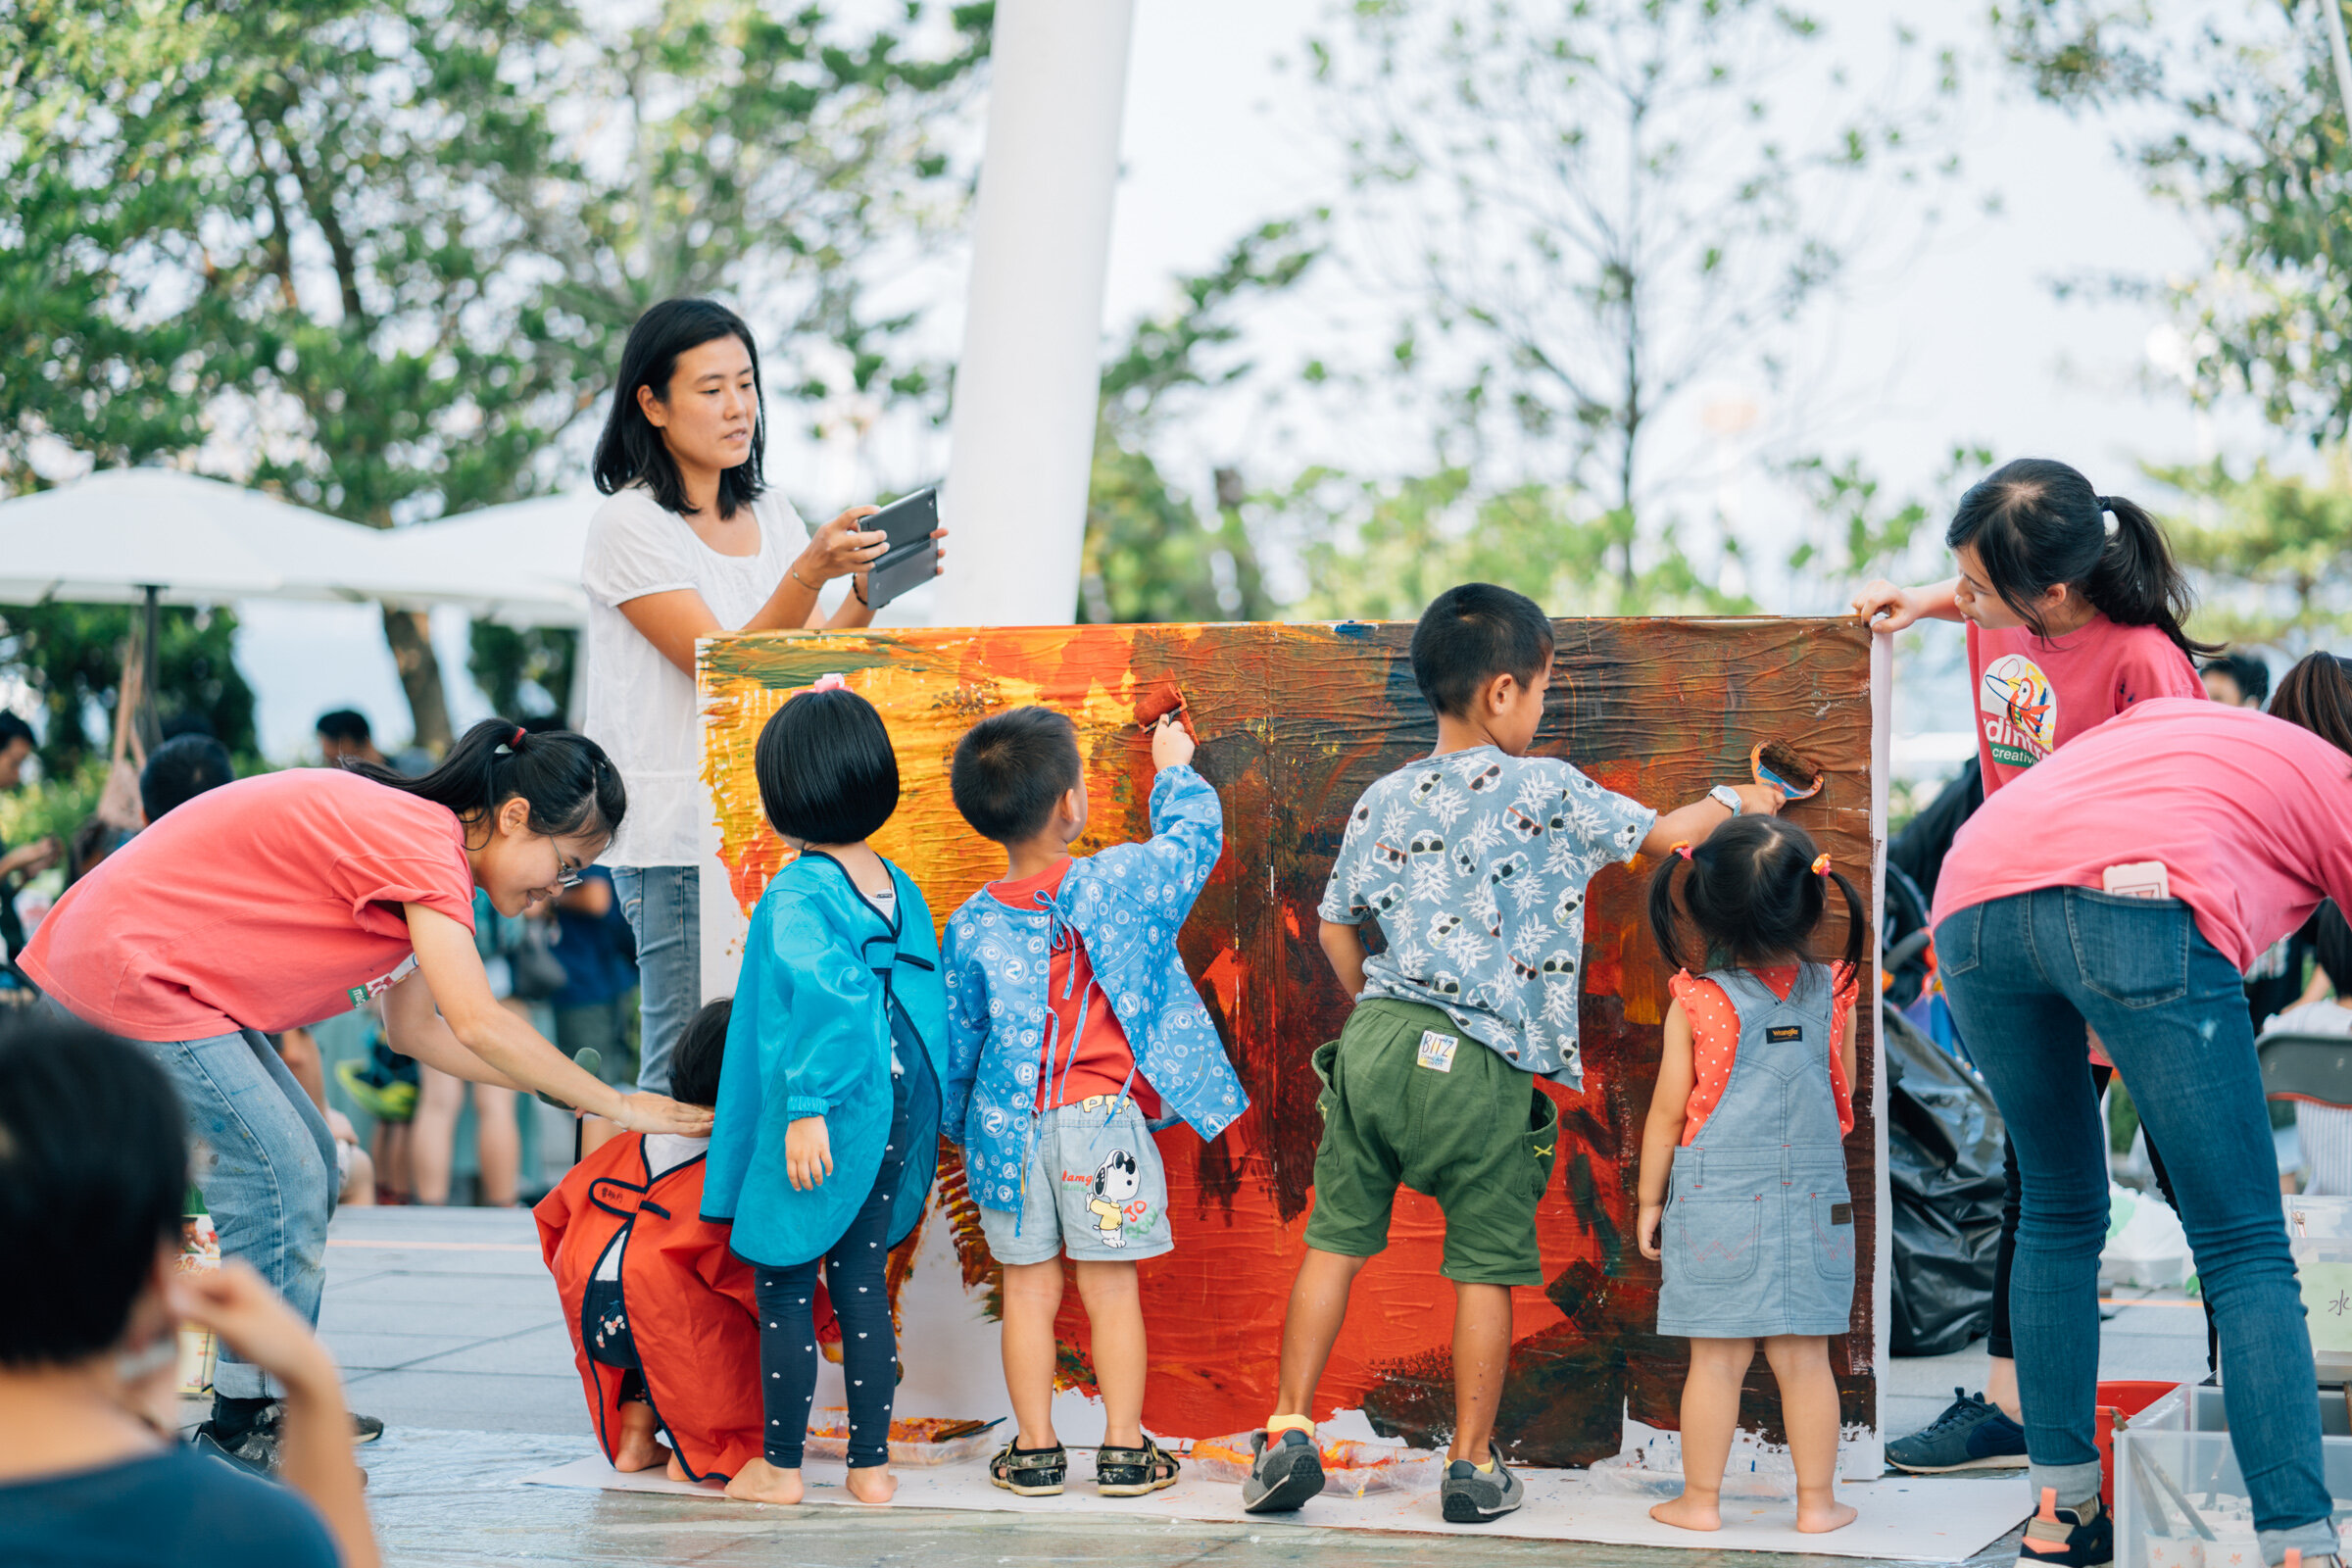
(1294, 722)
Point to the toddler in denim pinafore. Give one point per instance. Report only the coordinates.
(1746, 1132)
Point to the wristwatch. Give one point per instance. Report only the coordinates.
(1725, 796)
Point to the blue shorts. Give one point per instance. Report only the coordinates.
(1094, 1188)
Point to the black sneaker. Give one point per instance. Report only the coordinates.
(1134, 1472)
(1030, 1472)
(2080, 1537)
(1283, 1473)
(256, 1447)
(1972, 1434)
(1470, 1495)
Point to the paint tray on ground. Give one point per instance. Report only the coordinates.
(1903, 1518)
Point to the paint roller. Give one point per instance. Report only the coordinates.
(1156, 701)
(1778, 765)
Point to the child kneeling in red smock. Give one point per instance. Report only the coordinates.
(662, 1314)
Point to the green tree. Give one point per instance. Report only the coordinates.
(370, 256)
(2235, 119)
(1584, 206)
(1149, 554)
(71, 657)
(2274, 552)
(527, 672)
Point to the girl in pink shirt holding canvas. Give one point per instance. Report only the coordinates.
(2074, 610)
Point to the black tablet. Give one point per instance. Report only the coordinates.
(911, 557)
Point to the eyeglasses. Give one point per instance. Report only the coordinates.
(569, 877)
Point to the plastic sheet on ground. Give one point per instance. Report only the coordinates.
(1351, 1469)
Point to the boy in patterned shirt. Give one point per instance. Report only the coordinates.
(1473, 861)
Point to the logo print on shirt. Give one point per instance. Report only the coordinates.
(2018, 712)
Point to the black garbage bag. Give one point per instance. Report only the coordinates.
(1943, 1162)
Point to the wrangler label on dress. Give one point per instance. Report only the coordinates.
(1436, 1051)
(1784, 1033)
(1841, 1213)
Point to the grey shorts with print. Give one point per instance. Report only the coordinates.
(1094, 1188)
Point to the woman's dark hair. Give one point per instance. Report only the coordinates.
(93, 1177)
(826, 772)
(571, 784)
(2331, 940)
(2317, 695)
(1472, 633)
(2035, 522)
(694, 1061)
(632, 451)
(1754, 896)
(1010, 770)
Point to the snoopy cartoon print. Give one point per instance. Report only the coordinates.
(1116, 1183)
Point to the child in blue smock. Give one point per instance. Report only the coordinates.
(1754, 1102)
(828, 1131)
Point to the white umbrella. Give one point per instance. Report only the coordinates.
(517, 564)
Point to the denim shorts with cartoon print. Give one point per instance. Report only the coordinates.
(1094, 1188)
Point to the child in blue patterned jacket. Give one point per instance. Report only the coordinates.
(1073, 1032)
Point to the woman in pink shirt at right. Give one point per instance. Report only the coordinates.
(2074, 610)
(2124, 885)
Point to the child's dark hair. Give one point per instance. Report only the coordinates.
(180, 769)
(826, 770)
(1472, 633)
(2317, 695)
(93, 1178)
(694, 1061)
(2036, 523)
(1011, 768)
(1754, 896)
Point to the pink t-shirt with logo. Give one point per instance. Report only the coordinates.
(2033, 697)
(267, 903)
(2250, 816)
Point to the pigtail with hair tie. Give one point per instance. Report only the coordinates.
(1821, 864)
(1683, 849)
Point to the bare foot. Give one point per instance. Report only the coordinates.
(677, 1471)
(638, 1449)
(1690, 1512)
(872, 1483)
(761, 1482)
(1819, 1518)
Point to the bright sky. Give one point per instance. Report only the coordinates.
(1967, 344)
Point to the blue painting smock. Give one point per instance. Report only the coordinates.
(828, 987)
(1127, 904)
(1758, 1235)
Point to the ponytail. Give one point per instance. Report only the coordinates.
(2035, 522)
(569, 784)
(2317, 695)
(1755, 891)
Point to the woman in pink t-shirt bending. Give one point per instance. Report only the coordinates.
(282, 899)
(2074, 609)
(2124, 885)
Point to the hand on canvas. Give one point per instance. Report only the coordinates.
(1171, 743)
(1760, 800)
(1646, 1229)
(1884, 606)
(807, 1152)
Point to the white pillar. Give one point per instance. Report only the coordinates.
(1023, 435)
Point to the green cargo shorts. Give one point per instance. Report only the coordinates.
(1408, 1100)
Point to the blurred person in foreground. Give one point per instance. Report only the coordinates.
(93, 1171)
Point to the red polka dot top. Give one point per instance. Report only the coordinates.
(1715, 1037)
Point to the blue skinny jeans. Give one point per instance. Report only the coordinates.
(2025, 975)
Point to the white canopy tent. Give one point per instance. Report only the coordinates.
(519, 564)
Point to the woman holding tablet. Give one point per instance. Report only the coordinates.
(690, 544)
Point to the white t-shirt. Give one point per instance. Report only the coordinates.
(641, 707)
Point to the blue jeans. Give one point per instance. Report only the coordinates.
(663, 906)
(266, 1163)
(2025, 975)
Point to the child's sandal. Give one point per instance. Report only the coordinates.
(1030, 1472)
(1134, 1472)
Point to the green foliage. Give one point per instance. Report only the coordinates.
(373, 253)
(2274, 553)
(527, 673)
(1149, 554)
(53, 806)
(2236, 119)
(71, 656)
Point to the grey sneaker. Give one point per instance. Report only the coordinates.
(1283, 1474)
(1972, 1434)
(1472, 1497)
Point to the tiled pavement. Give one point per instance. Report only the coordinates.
(448, 1328)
